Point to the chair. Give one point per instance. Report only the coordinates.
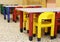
(2, 8)
(57, 23)
(16, 13)
(25, 17)
(32, 33)
(7, 11)
(45, 20)
(35, 15)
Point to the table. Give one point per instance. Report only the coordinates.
(31, 11)
(7, 9)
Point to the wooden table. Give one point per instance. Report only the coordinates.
(31, 11)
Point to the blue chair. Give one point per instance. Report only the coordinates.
(7, 12)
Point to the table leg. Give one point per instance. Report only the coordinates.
(30, 27)
(8, 13)
(21, 21)
(55, 27)
(14, 15)
(4, 12)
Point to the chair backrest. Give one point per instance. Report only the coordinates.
(19, 7)
(47, 17)
(33, 6)
(57, 14)
(57, 18)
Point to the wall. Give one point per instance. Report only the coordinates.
(57, 3)
(25, 2)
(51, 3)
(34, 2)
(10, 1)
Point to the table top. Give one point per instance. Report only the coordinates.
(19, 5)
(32, 10)
(11, 6)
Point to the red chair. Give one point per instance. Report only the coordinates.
(57, 23)
(15, 13)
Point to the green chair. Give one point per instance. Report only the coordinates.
(2, 8)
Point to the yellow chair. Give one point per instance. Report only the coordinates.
(27, 24)
(24, 20)
(34, 25)
(35, 21)
(44, 5)
(26, 3)
(45, 20)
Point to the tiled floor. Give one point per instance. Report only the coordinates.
(9, 32)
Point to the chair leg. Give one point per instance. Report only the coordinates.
(52, 32)
(46, 31)
(30, 26)
(34, 29)
(21, 22)
(24, 25)
(8, 13)
(55, 32)
(27, 26)
(39, 34)
(17, 18)
(58, 31)
(34, 25)
(24, 19)
(24, 28)
(4, 12)
(14, 15)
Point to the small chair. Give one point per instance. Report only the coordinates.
(26, 18)
(45, 20)
(16, 13)
(6, 11)
(35, 16)
(57, 23)
(2, 8)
